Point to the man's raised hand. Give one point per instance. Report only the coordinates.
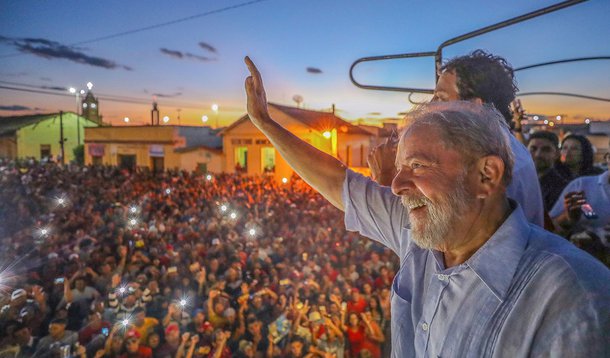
(257, 99)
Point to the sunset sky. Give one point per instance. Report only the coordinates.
(301, 47)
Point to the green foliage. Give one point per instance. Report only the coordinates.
(79, 154)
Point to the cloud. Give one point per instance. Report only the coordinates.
(54, 88)
(314, 70)
(182, 55)
(47, 79)
(207, 47)
(374, 114)
(172, 53)
(197, 57)
(52, 49)
(165, 95)
(15, 107)
(20, 74)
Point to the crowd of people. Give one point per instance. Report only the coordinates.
(575, 190)
(104, 262)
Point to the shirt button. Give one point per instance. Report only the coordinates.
(443, 277)
(424, 326)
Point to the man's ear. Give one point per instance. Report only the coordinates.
(490, 171)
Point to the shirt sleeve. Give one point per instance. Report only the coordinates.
(375, 212)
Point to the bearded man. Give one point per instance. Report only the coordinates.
(476, 278)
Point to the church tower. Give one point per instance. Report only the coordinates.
(90, 106)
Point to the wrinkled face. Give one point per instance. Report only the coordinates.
(431, 182)
(446, 88)
(132, 345)
(571, 152)
(543, 152)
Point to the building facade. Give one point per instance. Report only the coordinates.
(155, 147)
(38, 136)
(247, 150)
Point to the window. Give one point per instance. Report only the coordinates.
(45, 151)
(241, 159)
(268, 159)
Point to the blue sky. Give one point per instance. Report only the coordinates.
(284, 38)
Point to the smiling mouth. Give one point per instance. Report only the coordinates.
(416, 204)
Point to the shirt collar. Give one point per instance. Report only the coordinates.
(496, 261)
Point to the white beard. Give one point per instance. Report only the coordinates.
(434, 230)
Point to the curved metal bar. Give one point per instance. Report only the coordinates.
(413, 102)
(563, 94)
(389, 57)
(562, 61)
(499, 25)
(438, 54)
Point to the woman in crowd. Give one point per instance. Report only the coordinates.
(577, 157)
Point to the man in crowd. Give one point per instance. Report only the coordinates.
(479, 77)
(593, 191)
(57, 338)
(476, 279)
(544, 148)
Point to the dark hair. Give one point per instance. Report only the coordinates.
(550, 136)
(586, 167)
(485, 76)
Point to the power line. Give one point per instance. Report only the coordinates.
(156, 26)
(109, 98)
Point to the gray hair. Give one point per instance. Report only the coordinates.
(471, 129)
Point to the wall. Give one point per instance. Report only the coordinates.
(8, 147)
(29, 138)
(246, 130)
(190, 160)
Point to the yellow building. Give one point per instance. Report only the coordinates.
(246, 149)
(38, 136)
(155, 147)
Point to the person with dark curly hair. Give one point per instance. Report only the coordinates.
(482, 78)
(577, 157)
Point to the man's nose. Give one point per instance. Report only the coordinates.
(402, 182)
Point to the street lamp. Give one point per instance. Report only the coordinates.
(77, 94)
(204, 119)
(215, 110)
(165, 119)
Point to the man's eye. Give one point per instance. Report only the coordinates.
(417, 165)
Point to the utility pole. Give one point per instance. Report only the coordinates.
(61, 136)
